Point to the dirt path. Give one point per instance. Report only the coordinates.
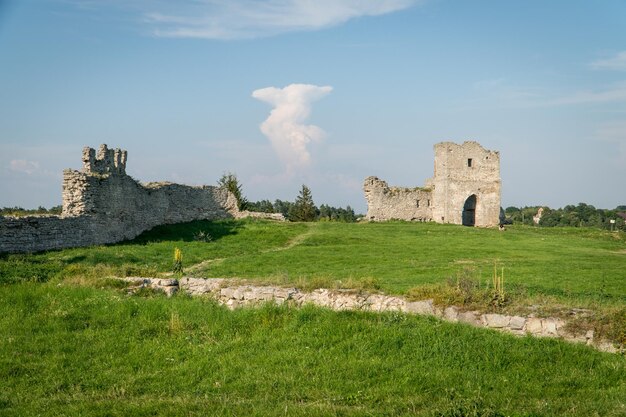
(297, 240)
(293, 242)
(197, 267)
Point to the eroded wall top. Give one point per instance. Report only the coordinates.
(106, 161)
(466, 161)
(101, 204)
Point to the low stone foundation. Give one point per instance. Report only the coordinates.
(233, 294)
(243, 214)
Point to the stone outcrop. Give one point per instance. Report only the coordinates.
(260, 215)
(465, 189)
(236, 295)
(102, 204)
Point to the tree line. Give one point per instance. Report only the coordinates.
(303, 209)
(582, 215)
(20, 211)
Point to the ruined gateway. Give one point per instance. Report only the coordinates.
(465, 189)
(102, 204)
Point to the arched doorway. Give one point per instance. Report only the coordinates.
(469, 211)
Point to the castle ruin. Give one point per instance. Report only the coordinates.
(465, 189)
(102, 204)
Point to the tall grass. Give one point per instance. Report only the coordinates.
(69, 350)
(74, 343)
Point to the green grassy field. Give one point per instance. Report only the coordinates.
(73, 344)
(72, 351)
(575, 265)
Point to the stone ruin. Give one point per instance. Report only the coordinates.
(102, 204)
(236, 293)
(537, 217)
(465, 189)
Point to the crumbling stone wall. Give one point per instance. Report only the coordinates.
(101, 204)
(386, 202)
(465, 189)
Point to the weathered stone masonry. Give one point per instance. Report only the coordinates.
(236, 294)
(101, 204)
(465, 189)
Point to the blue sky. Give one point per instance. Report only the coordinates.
(325, 93)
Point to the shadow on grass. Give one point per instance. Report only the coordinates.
(73, 259)
(187, 232)
(16, 268)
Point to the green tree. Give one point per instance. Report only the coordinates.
(325, 212)
(282, 207)
(230, 182)
(303, 210)
(550, 218)
(348, 215)
(328, 213)
(263, 206)
(522, 215)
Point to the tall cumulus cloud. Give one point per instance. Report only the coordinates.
(285, 127)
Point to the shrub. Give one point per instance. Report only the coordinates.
(178, 262)
(203, 236)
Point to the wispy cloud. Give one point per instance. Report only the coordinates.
(243, 19)
(615, 93)
(615, 63)
(526, 97)
(285, 126)
(614, 132)
(24, 166)
(502, 90)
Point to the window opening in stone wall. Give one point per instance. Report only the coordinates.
(469, 162)
(428, 203)
(417, 203)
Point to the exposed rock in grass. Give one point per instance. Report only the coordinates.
(235, 294)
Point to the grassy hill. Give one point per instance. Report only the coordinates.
(576, 265)
(72, 344)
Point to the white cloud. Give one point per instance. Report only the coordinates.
(24, 166)
(242, 19)
(285, 126)
(617, 62)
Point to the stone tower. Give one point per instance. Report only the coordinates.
(466, 185)
(465, 189)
